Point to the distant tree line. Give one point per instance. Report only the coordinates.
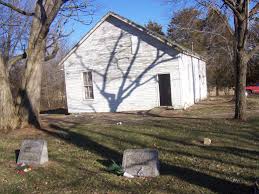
(208, 35)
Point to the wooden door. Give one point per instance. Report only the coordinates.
(165, 89)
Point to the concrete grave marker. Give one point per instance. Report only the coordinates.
(141, 162)
(33, 152)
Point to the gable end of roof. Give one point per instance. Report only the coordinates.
(153, 34)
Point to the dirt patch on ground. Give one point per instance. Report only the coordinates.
(212, 108)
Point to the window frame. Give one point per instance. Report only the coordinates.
(88, 85)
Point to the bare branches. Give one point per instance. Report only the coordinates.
(254, 10)
(218, 10)
(17, 9)
(14, 60)
(53, 53)
(203, 32)
(78, 11)
(223, 19)
(233, 7)
(241, 51)
(252, 52)
(76, 17)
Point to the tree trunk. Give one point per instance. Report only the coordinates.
(29, 94)
(8, 117)
(217, 88)
(240, 66)
(240, 103)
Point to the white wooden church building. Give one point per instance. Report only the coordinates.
(121, 66)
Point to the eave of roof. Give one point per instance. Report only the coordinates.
(155, 35)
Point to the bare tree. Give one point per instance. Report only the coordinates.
(206, 34)
(42, 16)
(242, 11)
(242, 16)
(53, 82)
(13, 32)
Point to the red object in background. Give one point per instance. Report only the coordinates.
(253, 89)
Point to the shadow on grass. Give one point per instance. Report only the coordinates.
(148, 113)
(201, 179)
(183, 115)
(251, 154)
(188, 175)
(55, 111)
(83, 141)
(106, 163)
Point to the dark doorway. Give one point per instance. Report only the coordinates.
(165, 89)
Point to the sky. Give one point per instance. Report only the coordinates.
(139, 11)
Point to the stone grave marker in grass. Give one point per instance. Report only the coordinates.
(141, 162)
(33, 152)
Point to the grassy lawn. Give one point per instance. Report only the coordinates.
(80, 147)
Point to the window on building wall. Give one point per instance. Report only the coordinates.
(88, 85)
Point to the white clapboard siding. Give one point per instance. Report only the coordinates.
(203, 80)
(125, 63)
(196, 79)
(193, 80)
(187, 80)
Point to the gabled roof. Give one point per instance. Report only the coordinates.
(155, 35)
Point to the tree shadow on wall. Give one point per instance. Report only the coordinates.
(122, 74)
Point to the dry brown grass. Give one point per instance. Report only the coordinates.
(80, 147)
